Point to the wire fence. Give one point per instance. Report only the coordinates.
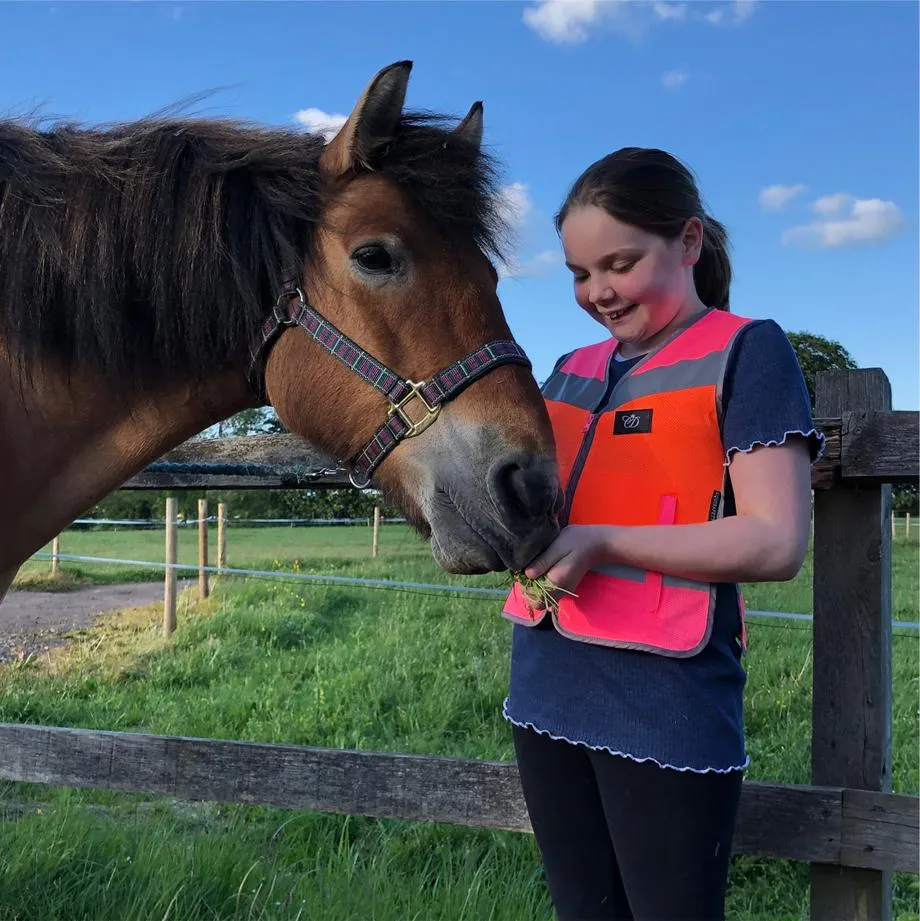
(427, 588)
(155, 523)
(902, 526)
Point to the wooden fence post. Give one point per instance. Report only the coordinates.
(851, 708)
(221, 535)
(375, 544)
(202, 548)
(169, 592)
(56, 556)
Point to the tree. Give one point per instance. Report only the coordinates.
(817, 353)
(905, 499)
(259, 421)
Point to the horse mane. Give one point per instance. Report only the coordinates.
(158, 246)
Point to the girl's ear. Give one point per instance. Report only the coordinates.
(692, 240)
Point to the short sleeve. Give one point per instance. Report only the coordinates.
(764, 397)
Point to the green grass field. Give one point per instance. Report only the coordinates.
(345, 667)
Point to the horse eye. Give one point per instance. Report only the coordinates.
(373, 259)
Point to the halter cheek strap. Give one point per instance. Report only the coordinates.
(414, 406)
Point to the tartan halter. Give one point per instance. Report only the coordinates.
(413, 405)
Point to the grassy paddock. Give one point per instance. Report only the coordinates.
(348, 668)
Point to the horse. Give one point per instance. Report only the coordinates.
(158, 276)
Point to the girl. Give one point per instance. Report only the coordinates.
(685, 441)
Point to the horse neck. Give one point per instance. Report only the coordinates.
(67, 441)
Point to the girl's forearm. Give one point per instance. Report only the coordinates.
(741, 548)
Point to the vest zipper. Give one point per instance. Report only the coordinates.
(590, 427)
(588, 430)
(587, 437)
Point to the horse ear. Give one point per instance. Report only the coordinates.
(470, 129)
(372, 121)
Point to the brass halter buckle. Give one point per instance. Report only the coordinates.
(415, 427)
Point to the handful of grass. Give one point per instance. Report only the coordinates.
(540, 592)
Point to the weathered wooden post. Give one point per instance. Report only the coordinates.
(56, 556)
(375, 543)
(202, 548)
(221, 535)
(851, 708)
(169, 592)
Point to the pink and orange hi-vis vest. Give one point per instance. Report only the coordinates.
(649, 452)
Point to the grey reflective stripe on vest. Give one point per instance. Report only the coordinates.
(586, 393)
(583, 392)
(682, 375)
(630, 573)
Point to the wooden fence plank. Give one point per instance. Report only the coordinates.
(777, 821)
(851, 704)
(871, 447)
(883, 447)
(242, 462)
(287, 450)
(199, 481)
(876, 829)
(865, 446)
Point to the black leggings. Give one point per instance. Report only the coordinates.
(622, 839)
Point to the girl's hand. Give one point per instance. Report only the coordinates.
(566, 560)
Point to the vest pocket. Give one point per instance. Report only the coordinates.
(667, 514)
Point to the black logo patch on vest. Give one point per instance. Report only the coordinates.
(632, 422)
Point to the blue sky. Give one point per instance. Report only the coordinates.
(800, 120)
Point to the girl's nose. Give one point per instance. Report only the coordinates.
(601, 293)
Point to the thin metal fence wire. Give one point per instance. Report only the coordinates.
(421, 588)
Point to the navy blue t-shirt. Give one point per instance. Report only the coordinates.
(681, 713)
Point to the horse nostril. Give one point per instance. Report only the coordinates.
(523, 486)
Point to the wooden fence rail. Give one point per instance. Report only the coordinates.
(831, 825)
(848, 824)
(861, 446)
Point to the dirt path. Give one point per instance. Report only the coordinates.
(32, 622)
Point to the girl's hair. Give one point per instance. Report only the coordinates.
(655, 192)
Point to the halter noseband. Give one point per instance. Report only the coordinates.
(413, 405)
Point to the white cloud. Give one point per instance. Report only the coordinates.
(572, 21)
(674, 79)
(562, 21)
(776, 197)
(731, 14)
(515, 204)
(517, 209)
(831, 204)
(320, 122)
(665, 11)
(868, 220)
(540, 264)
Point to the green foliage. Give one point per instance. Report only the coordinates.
(817, 353)
(905, 499)
(259, 421)
(246, 503)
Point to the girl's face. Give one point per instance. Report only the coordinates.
(636, 284)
